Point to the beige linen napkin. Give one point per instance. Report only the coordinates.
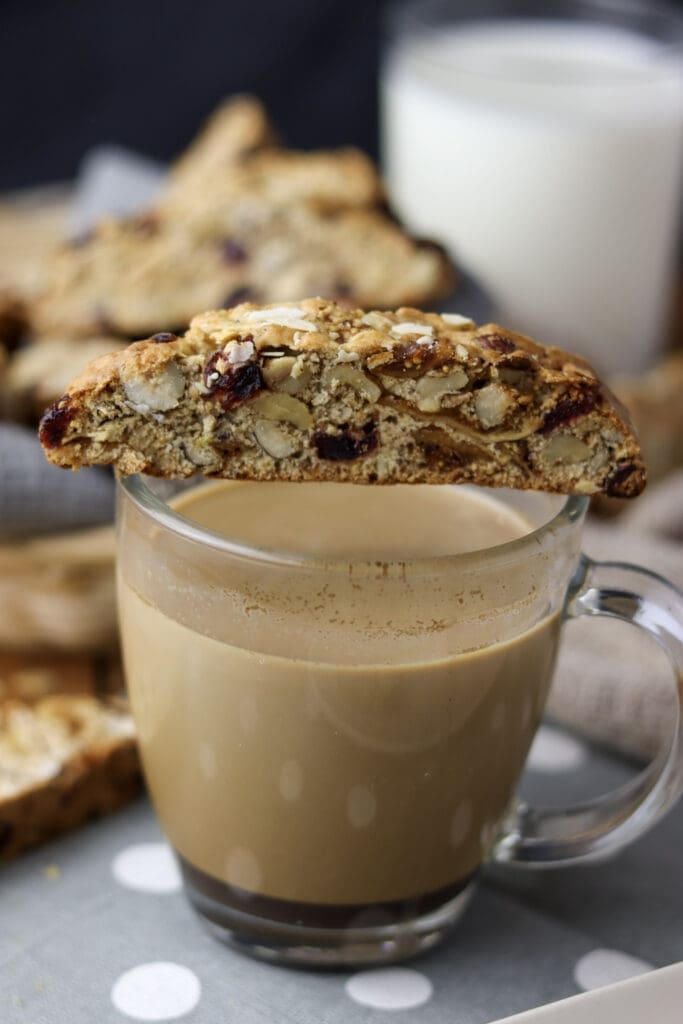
(613, 683)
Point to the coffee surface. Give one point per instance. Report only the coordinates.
(347, 521)
(315, 781)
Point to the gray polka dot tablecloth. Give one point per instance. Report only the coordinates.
(94, 928)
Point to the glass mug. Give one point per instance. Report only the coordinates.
(332, 748)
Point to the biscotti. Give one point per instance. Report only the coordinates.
(63, 760)
(240, 219)
(235, 131)
(315, 391)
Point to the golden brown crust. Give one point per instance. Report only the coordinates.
(313, 390)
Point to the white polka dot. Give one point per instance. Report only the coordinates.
(291, 780)
(461, 823)
(361, 806)
(208, 762)
(156, 991)
(606, 967)
(497, 718)
(147, 867)
(248, 713)
(390, 988)
(554, 751)
(242, 869)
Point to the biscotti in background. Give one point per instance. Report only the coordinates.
(63, 760)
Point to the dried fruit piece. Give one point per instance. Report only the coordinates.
(617, 485)
(518, 361)
(496, 342)
(55, 422)
(568, 409)
(405, 360)
(231, 385)
(438, 444)
(232, 252)
(163, 337)
(346, 444)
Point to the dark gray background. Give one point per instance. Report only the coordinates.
(143, 73)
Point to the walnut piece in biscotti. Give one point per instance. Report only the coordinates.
(314, 391)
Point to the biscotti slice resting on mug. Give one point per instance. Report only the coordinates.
(314, 391)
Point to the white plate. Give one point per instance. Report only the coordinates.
(654, 998)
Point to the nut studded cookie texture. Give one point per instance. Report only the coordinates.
(240, 219)
(314, 391)
(134, 276)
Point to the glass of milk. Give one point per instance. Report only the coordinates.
(543, 143)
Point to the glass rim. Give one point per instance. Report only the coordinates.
(416, 17)
(136, 490)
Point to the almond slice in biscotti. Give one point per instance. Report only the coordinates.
(314, 391)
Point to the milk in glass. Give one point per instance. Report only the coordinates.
(549, 157)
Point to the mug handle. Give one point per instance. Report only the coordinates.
(537, 837)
